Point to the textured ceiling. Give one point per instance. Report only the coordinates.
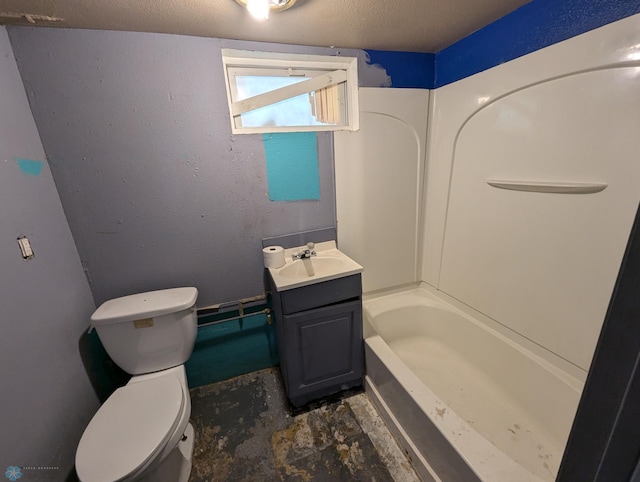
(409, 25)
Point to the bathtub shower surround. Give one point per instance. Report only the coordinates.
(541, 264)
(480, 368)
(379, 186)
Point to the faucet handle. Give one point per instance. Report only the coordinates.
(311, 245)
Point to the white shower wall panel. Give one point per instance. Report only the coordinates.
(543, 265)
(379, 175)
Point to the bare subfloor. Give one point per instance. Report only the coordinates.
(245, 431)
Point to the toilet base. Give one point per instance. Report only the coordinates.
(177, 466)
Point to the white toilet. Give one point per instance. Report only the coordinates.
(142, 431)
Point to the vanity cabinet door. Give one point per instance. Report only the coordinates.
(324, 348)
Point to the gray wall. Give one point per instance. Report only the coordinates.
(157, 191)
(45, 303)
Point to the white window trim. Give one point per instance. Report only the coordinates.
(331, 71)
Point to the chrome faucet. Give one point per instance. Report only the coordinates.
(305, 253)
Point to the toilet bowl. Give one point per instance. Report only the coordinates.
(142, 431)
(134, 428)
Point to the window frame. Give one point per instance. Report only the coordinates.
(327, 70)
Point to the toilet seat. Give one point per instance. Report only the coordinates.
(127, 431)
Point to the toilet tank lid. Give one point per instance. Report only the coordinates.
(144, 305)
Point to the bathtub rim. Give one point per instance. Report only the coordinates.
(402, 438)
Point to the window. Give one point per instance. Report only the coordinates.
(270, 92)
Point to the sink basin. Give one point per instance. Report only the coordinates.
(315, 266)
(329, 263)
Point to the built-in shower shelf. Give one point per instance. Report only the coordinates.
(558, 187)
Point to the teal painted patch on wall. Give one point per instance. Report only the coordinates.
(292, 166)
(29, 166)
(230, 349)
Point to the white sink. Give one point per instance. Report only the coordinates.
(329, 263)
(311, 266)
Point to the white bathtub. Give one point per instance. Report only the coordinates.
(466, 402)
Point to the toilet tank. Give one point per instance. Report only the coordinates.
(148, 332)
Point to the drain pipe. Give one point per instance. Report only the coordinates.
(216, 308)
(266, 311)
(213, 309)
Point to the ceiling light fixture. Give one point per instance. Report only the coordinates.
(260, 9)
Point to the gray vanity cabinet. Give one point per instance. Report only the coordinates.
(319, 331)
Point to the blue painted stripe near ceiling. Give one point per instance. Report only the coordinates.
(533, 26)
(408, 70)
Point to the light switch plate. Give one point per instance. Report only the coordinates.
(25, 247)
